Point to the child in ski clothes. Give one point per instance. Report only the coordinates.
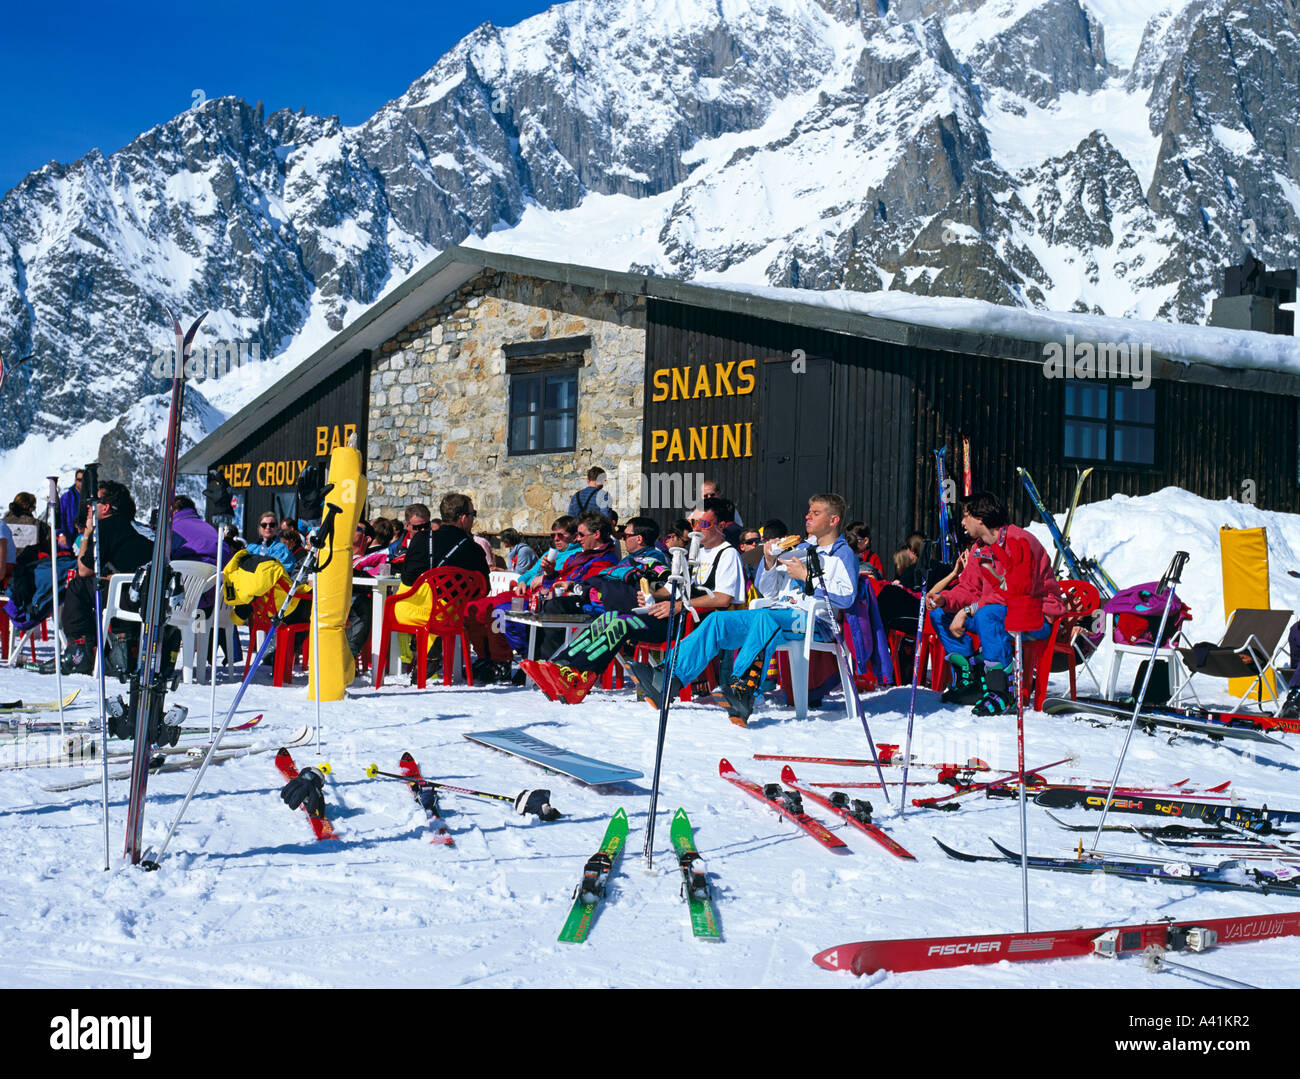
(1005, 583)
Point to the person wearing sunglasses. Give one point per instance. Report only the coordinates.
(268, 542)
(612, 596)
(564, 543)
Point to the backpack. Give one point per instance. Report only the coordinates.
(1137, 611)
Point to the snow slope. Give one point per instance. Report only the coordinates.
(245, 897)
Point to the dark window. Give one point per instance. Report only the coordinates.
(1110, 423)
(543, 412)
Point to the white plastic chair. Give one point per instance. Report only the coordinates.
(1168, 653)
(799, 653)
(196, 581)
(500, 580)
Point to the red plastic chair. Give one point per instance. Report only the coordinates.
(933, 666)
(452, 589)
(1082, 600)
(290, 639)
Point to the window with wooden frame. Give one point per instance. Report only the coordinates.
(543, 376)
(1110, 423)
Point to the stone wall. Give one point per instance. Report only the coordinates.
(439, 402)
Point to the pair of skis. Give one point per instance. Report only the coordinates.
(789, 803)
(594, 884)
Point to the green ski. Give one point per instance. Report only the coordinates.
(695, 880)
(595, 876)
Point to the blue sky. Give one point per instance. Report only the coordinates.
(77, 75)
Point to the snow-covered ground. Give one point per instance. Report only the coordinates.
(246, 897)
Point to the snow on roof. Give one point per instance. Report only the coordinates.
(1178, 342)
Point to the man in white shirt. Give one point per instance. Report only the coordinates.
(789, 599)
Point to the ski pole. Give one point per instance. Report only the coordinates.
(923, 569)
(678, 583)
(90, 497)
(1172, 576)
(1001, 781)
(152, 859)
(852, 701)
(54, 595)
(1020, 750)
(1156, 961)
(373, 771)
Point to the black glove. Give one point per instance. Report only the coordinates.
(305, 789)
(537, 802)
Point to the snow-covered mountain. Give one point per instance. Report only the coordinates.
(1107, 156)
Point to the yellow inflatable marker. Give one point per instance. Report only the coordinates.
(1244, 554)
(334, 594)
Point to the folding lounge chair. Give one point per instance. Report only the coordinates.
(1250, 641)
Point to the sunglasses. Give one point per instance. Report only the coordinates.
(703, 526)
(268, 524)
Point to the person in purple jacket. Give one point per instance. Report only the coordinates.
(69, 504)
(193, 539)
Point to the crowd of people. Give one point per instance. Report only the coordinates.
(751, 588)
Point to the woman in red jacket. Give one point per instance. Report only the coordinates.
(1006, 576)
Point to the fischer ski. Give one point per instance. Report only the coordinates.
(594, 884)
(427, 795)
(787, 803)
(856, 812)
(695, 880)
(313, 806)
(936, 953)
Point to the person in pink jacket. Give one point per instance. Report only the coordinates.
(1004, 579)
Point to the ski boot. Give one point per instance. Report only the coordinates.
(737, 696)
(738, 699)
(1291, 706)
(542, 672)
(967, 681)
(574, 685)
(78, 658)
(650, 683)
(997, 699)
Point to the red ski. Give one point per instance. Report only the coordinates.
(1004, 782)
(935, 953)
(319, 824)
(889, 755)
(855, 812)
(789, 807)
(415, 782)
